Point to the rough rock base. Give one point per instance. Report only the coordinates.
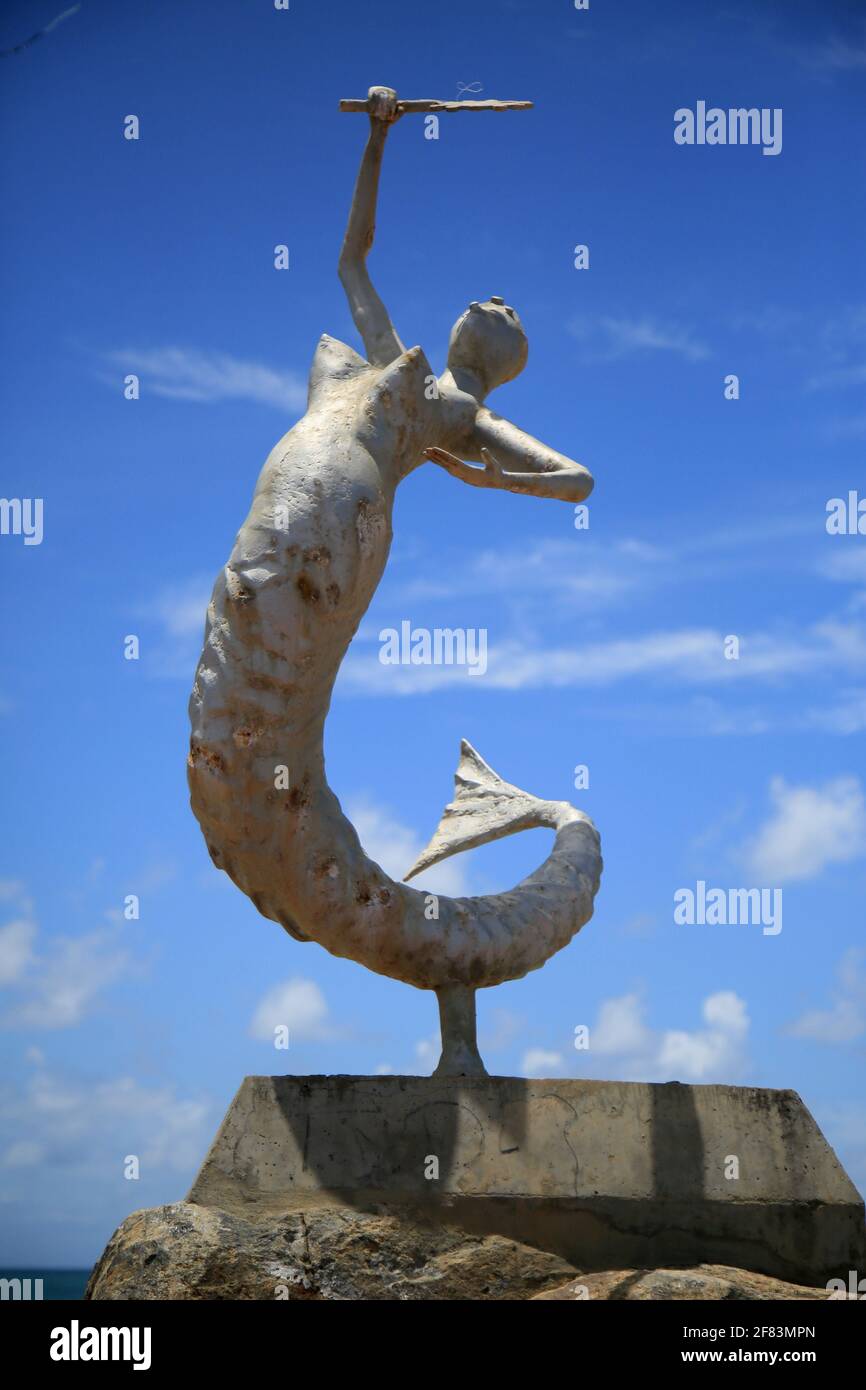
(706, 1284)
(188, 1252)
(333, 1255)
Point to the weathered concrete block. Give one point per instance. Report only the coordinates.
(605, 1174)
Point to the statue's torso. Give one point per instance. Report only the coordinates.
(311, 552)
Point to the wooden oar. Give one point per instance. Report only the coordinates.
(406, 107)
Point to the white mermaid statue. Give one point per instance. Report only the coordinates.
(304, 568)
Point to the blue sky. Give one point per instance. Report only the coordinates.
(155, 257)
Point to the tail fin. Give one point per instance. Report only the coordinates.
(484, 808)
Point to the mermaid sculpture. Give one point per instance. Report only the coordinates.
(302, 573)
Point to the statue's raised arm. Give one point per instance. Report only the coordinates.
(372, 319)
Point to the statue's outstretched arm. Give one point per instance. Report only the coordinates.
(371, 317)
(515, 461)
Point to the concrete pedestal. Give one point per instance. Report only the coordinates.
(608, 1175)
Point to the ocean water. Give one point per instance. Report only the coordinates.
(57, 1284)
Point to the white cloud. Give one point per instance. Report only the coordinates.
(607, 339)
(845, 1020)
(188, 374)
(839, 348)
(178, 612)
(16, 950)
(58, 984)
(395, 848)
(181, 608)
(853, 375)
(499, 1030)
(770, 321)
(714, 1052)
(603, 573)
(23, 1153)
(68, 980)
(809, 829)
(711, 1051)
(429, 1050)
(847, 566)
(838, 54)
(538, 1062)
(11, 889)
(846, 716)
(56, 1120)
(850, 427)
(584, 567)
(620, 1027)
(298, 1005)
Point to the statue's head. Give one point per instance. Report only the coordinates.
(489, 341)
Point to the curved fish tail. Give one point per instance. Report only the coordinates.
(485, 808)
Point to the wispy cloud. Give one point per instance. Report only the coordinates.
(500, 1030)
(854, 427)
(87, 1129)
(688, 655)
(55, 982)
(845, 1020)
(833, 345)
(16, 949)
(189, 374)
(180, 608)
(847, 715)
(608, 339)
(176, 613)
(428, 1051)
(12, 890)
(586, 568)
(839, 344)
(575, 570)
(844, 566)
(839, 53)
(60, 986)
(852, 374)
(769, 320)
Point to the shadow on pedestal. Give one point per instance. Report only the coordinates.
(608, 1175)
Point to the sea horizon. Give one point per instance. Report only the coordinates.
(58, 1285)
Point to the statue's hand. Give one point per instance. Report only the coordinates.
(382, 105)
(490, 475)
(570, 482)
(493, 468)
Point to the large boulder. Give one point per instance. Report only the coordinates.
(328, 1253)
(184, 1251)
